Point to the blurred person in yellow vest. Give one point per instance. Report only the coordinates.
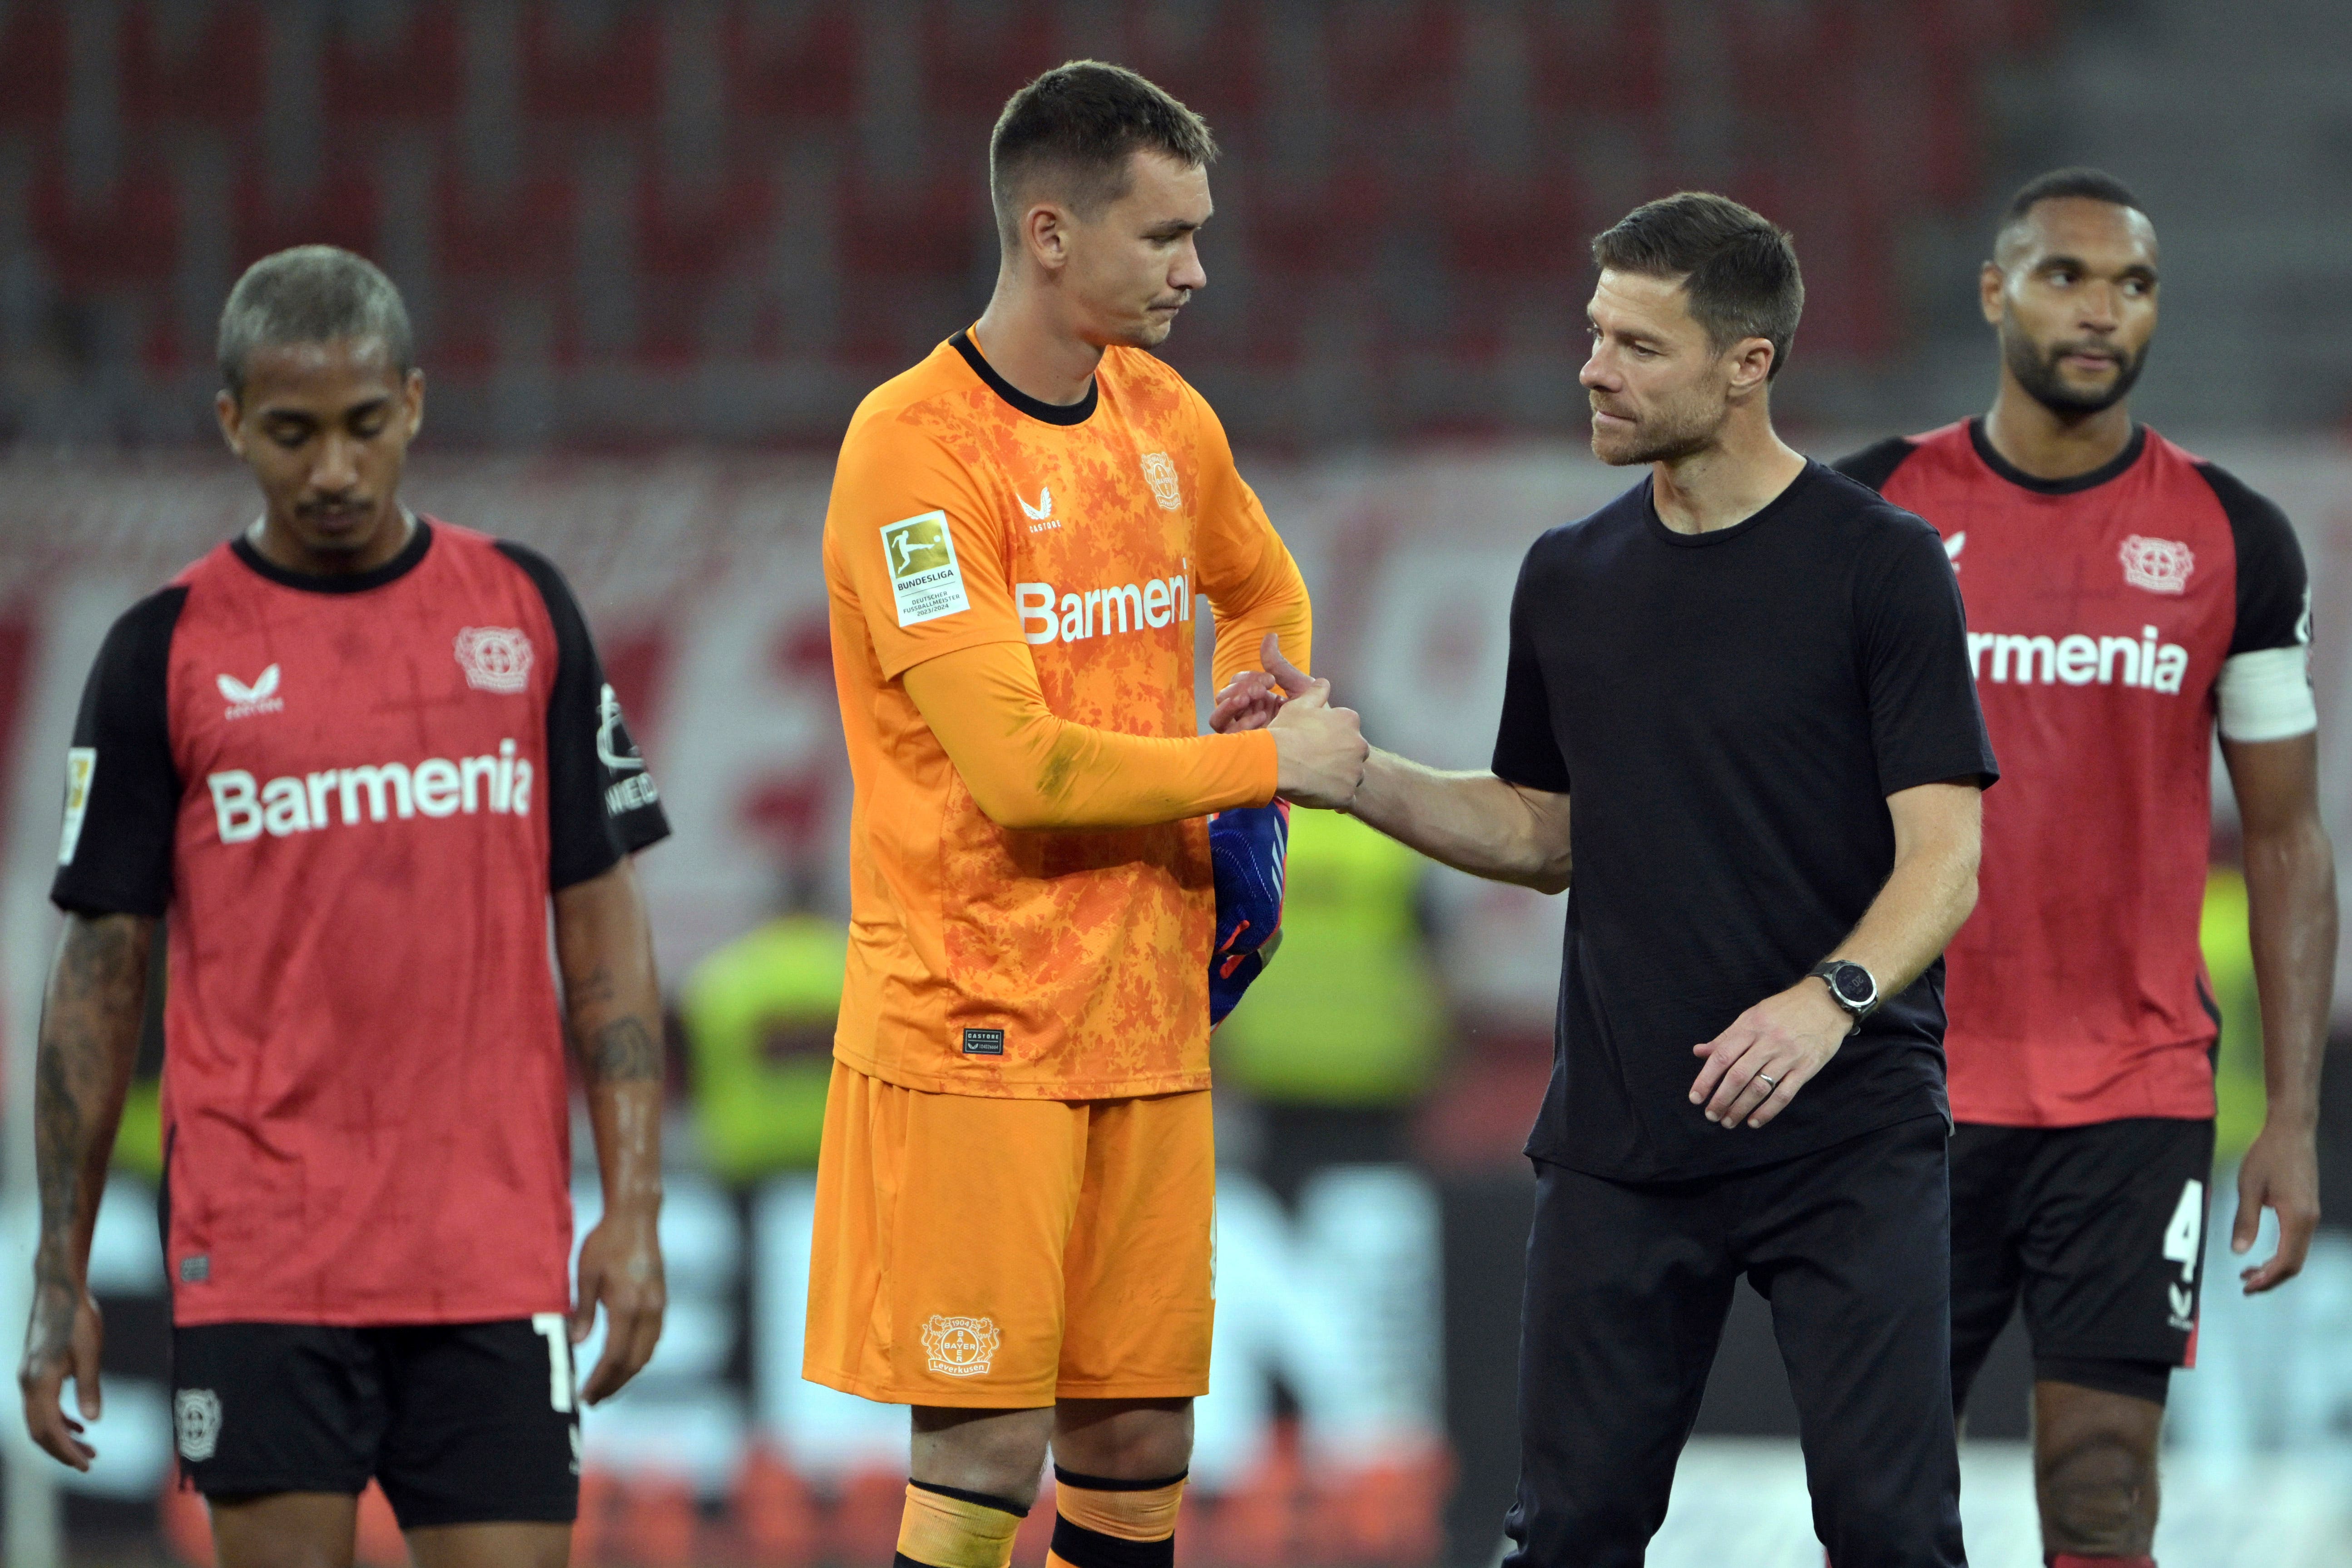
(2238, 1092)
(758, 1017)
(1342, 1036)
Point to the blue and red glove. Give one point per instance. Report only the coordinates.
(1248, 848)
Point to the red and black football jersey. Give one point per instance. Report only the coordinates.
(353, 796)
(2111, 617)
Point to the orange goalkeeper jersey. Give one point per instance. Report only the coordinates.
(1067, 959)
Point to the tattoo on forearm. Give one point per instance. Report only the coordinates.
(593, 989)
(623, 1051)
(90, 1030)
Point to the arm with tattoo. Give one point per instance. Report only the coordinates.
(604, 944)
(88, 1041)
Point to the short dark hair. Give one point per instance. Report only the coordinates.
(1084, 119)
(311, 294)
(2095, 184)
(2090, 185)
(1737, 268)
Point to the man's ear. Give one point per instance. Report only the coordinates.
(226, 410)
(1991, 283)
(412, 392)
(1045, 235)
(1751, 364)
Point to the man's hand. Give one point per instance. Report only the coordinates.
(1249, 702)
(63, 1341)
(1319, 751)
(1252, 699)
(621, 1266)
(2281, 1171)
(1755, 1067)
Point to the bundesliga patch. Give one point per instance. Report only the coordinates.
(81, 763)
(983, 1042)
(924, 576)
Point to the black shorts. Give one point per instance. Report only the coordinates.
(462, 1423)
(2099, 1231)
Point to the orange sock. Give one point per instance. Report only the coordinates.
(1106, 1523)
(947, 1527)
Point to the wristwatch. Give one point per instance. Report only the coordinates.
(1851, 985)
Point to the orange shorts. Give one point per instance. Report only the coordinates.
(1003, 1254)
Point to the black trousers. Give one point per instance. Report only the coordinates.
(1628, 1286)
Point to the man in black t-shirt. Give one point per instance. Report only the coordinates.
(1750, 677)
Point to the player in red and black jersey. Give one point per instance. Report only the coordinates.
(2123, 596)
(349, 758)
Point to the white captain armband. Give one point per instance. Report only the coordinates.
(2266, 695)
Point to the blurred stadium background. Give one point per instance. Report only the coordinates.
(658, 251)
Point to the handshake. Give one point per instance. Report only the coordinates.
(1320, 749)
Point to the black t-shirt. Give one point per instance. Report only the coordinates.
(1730, 712)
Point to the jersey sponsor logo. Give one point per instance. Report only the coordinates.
(196, 1423)
(81, 766)
(633, 787)
(2078, 660)
(960, 1347)
(924, 579)
(1049, 616)
(983, 1042)
(2158, 566)
(1953, 545)
(1160, 473)
(494, 658)
(245, 809)
(1045, 507)
(245, 701)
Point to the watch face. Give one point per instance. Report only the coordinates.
(1853, 982)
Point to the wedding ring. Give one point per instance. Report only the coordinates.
(1768, 1081)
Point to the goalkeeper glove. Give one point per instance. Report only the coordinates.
(1247, 847)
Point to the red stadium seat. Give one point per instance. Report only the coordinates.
(601, 64)
(412, 71)
(195, 65)
(33, 67)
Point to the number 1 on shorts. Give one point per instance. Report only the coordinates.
(554, 1328)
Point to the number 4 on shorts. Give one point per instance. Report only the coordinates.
(555, 1329)
(2186, 1229)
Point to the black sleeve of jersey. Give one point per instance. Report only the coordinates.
(2274, 586)
(601, 801)
(122, 789)
(1874, 466)
(1527, 751)
(1925, 723)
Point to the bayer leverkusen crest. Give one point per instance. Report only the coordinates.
(1160, 473)
(2158, 566)
(960, 1347)
(494, 658)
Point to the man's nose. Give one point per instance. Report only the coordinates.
(1189, 273)
(2098, 310)
(337, 467)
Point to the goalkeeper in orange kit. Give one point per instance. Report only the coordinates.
(1016, 1196)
